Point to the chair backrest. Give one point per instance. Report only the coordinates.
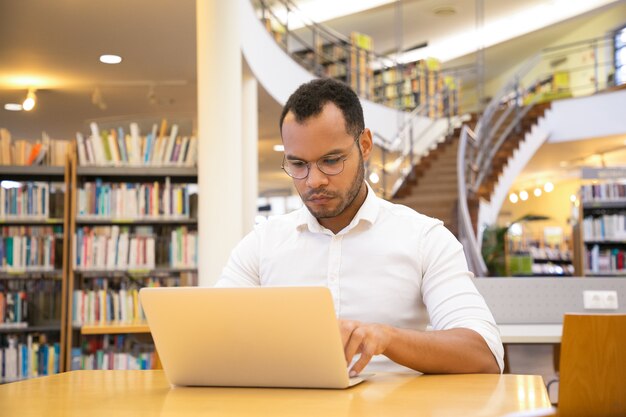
(593, 366)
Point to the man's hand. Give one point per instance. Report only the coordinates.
(364, 338)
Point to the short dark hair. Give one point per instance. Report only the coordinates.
(310, 98)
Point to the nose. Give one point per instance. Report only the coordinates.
(316, 177)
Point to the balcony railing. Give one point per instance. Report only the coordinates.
(572, 70)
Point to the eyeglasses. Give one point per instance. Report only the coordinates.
(328, 165)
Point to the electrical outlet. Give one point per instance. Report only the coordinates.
(600, 300)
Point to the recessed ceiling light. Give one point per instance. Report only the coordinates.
(279, 148)
(548, 187)
(110, 59)
(523, 195)
(444, 11)
(13, 107)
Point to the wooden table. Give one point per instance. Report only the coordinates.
(147, 393)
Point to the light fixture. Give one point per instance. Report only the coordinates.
(444, 11)
(537, 192)
(548, 187)
(374, 178)
(30, 101)
(279, 148)
(513, 198)
(572, 198)
(110, 59)
(13, 107)
(523, 195)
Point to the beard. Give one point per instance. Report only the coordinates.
(344, 199)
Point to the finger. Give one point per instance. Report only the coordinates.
(354, 343)
(346, 327)
(366, 357)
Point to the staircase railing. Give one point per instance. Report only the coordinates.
(553, 73)
(318, 48)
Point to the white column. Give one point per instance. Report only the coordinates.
(250, 149)
(220, 179)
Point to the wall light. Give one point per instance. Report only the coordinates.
(548, 187)
(30, 101)
(513, 198)
(537, 192)
(523, 195)
(572, 198)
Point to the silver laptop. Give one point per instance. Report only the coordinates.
(247, 337)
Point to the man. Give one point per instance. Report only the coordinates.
(380, 260)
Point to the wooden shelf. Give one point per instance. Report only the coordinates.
(137, 171)
(605, 242)
(114, 328)
(591, 205)
(17, 172)
(131, 272)
(141, 221)
(32, 329)
(30, 222)
(23, 275)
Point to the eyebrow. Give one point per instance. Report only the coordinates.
(329, 153)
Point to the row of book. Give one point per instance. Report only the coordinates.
(28, 199)
(113, 248)
(605, 191)
(32, 152)
(106, 306)
(13, 309)
(28, 253)
(607, 227)
(117, 147)
(608, 260)
(118, 352)
(28, 359)
(134, 200)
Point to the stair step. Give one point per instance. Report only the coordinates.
(426, 200)
(434, 188)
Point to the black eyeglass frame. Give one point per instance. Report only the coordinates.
(317, 163)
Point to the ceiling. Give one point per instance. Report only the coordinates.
(54, 47)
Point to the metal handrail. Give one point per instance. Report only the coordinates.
(405, 140)
(475, 157)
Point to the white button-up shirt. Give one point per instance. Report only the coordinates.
(380, 269)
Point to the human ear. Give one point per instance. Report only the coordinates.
(366, 143)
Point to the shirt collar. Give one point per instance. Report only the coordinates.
(367, 212)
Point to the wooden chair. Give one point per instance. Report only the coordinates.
(593, 366)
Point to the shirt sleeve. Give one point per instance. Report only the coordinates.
(450, 295)
(242, 268)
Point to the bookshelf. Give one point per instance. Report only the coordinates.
(132, 225)
(415, 84)
(603, 228)
(33, 258)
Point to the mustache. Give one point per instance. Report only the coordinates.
(318, 194)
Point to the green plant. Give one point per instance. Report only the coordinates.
(494, 241)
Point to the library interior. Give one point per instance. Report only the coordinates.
(141, 145)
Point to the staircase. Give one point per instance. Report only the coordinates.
(509, 145)
(431, 188)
